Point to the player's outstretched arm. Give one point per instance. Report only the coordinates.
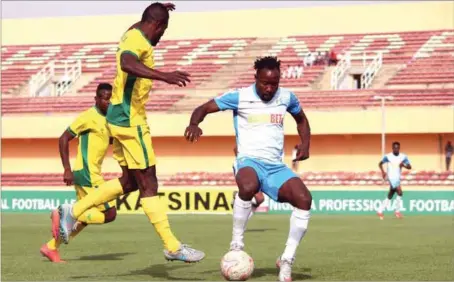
(131, 65)
(63, 144)
(304, 132)
(193, 131)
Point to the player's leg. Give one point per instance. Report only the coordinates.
(141, 162)
(106, 192)
(248, 181)
(100, 215)
(285, 186)
(386, 201)
(398, 201)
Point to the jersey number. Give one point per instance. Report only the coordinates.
(277, 118)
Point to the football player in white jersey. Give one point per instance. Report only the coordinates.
(395, 161)
(258, 117)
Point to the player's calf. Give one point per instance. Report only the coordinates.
(296, 193)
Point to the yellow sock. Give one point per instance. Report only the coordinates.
(92, 216)
(155, 209)
(105, 193)
(54, 244)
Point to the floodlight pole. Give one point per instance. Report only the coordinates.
(383, 120)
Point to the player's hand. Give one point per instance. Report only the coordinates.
(384, 175)
(179, 78)
(68, 177)
(193, 133)
(301, 153)
(169, 6)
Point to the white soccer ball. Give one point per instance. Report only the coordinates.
(237, 266)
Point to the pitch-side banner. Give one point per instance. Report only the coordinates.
(219, 201)
(178, 200)
(367, 202)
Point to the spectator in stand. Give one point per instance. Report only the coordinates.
(319, 60)
(448, 152)
(332, 58)
(326, 58)
(309, 60)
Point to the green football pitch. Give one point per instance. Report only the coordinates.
(335, 248)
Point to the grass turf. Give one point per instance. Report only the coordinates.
(335, 248)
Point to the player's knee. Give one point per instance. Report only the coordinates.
(301, 197)
(247, 190)
(147, 181)
(110, 215)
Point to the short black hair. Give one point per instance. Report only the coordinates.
(267, 62)
(396, 143)
(103, 86)
(155, 12)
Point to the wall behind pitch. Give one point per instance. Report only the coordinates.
(400, 16)
(215, 154)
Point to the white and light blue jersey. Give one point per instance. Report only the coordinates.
(393, 164)
(259, 125)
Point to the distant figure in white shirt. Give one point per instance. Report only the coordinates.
(395, 161)
(258, 117)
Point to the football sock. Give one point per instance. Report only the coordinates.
(241, 214)
(398, 203)
(92, 216)
(55, 244)
(383, 206)
(253, 207)
(155, 209)
(105, 193)
(298, 227)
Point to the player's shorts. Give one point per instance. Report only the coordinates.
(133, 147)
(394, 183)
(118, 153)
(82, 191)
(271, 176)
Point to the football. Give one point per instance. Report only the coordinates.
(237, 266)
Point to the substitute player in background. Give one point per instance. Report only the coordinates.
(90, 127)
(259, 112)
(258, 197)
(127, 123)
(395, 162)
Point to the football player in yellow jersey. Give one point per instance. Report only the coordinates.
(127, 123)
(91, 129)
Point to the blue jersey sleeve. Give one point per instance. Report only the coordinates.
(228, 101)
(385, 159)
(294, 106)
(406, 161)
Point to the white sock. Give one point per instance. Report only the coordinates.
(241, 214)
(398, 203)
(298, 227)
(383, 206)
(254, 204)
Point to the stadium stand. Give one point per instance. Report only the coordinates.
(415, 53)
(422, 178)
(309, 99)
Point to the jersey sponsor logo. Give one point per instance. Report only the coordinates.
(277, 118)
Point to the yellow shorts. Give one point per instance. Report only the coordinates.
(84, 191)
(132, 146)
